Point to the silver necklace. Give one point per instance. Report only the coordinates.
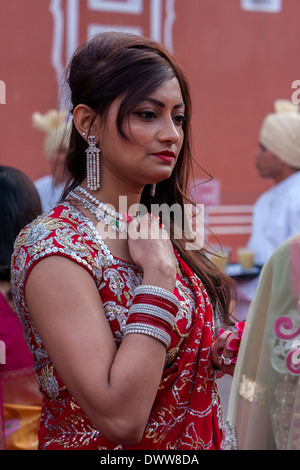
(101, 211)
(99, 204)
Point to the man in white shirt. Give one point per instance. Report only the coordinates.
(276, 214)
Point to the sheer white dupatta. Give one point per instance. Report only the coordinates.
(264, 403)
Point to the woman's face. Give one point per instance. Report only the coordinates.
(155, 137)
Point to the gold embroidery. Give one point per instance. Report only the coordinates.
(49, 383)
(173, 352)
(155, 432)
(253, 391)
(202, 383)
(127, 296)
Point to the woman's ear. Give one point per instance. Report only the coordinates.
(83, 118)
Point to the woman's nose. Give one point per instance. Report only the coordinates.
(170, 131)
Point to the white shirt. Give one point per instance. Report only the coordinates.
(49, 194)
(276, 217)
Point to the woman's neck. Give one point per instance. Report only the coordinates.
(120, 201)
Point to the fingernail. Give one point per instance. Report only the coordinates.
(234, 344)
(127, 217)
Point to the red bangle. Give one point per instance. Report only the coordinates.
(157, 301)
(153, 313)
(157, 298)
(149, 320)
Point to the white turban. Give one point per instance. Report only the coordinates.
(280, 133)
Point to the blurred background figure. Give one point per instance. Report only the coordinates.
(20, 404)
(276, 214)
(54, 124)
(264, 405)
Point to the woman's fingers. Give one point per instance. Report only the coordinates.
(224, 352)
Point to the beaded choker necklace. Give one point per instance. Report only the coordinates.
(101, 211)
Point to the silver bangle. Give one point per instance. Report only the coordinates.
(158, 291)
(148, 330)
(154, 311)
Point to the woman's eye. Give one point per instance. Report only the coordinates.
(180, 119)
(147, 115)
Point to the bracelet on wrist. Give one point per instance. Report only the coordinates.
(152, 313)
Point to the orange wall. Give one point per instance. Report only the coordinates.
(238, 62)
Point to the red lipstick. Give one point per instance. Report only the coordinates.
(166, 155)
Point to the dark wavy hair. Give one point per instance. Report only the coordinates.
(113, 65)
(19, 205)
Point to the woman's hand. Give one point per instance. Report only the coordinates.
(222, 352)
(151, 249)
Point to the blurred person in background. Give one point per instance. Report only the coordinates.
(20, 401)
(54, 124)
(276, 213)
(264, 404)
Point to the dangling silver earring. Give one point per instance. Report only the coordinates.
(92, 164)
(153, 189)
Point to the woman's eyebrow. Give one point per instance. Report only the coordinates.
(161, 104)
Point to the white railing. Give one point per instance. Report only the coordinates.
(229, 219)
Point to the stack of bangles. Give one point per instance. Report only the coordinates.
(152, 313)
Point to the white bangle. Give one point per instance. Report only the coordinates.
(154, 311)
(159, 291)
(148, 330)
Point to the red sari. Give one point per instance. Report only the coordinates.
(186, 413)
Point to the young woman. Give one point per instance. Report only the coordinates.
(119, 315)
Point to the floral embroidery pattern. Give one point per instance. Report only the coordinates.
(286, 352)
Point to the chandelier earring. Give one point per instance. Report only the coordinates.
(92, 164)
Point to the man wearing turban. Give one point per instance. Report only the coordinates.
(57, 132)
(276, 215)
